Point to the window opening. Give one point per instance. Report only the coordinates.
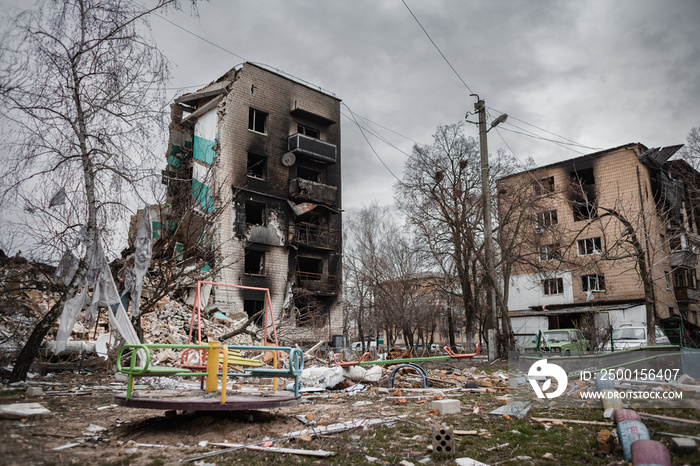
(254, 213)
(595, 282)
(252, 307)
(589, 246)
(684, 278)
(257, 166)
(310, 268)
(254, 262)
(310, 132)
(309, 174)
(553, 286)
(545, 219)
(544, 186)
(257, 121)
(548, 252)
(583, 197)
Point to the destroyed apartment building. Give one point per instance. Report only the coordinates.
(578, 258)
(261, 151)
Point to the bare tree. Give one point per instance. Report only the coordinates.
(367, 233)
(441, 197)
(84, 99)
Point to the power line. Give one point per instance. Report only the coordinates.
(377, 135)
(548, 132)
(200, 37)
(370, 144)
(438, 48)
(388, 129)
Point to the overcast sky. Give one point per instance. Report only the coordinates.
(600, 73)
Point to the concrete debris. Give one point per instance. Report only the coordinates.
(517, 409)
(684, 446)
(23, 410)
(469, 462)
(445, 406)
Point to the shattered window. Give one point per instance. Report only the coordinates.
(595, 282)
(545, 219)
(254, 262)
(257, 121)
(310, 132)
(254, 213)
(257, 166)
(544, 186)
(548, 252)
(309, 174)
(589, 246)
(553, 286)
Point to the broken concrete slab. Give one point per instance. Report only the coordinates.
(469, 462)
(23, 410)
(517, 409)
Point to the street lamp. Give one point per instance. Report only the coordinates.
(480, 108)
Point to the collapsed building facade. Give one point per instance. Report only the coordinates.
(587, 213)
(254, 158)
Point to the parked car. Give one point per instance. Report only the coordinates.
(563, 341)
(631, 336)
(358, 345)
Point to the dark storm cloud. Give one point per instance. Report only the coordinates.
(598, 72)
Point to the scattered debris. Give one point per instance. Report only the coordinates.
(570, 421)
(604, 442)
(469, 462)
(445, 406)
(290, 451)
(517, 409)
(443, 439)
(684, 446)
(23, 410)
(669, 419)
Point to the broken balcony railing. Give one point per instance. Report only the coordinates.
(317, 282)
(314, 191)
(318, 236)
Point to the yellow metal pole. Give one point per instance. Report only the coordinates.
(274, 364)
(212, 366)
(223, 374)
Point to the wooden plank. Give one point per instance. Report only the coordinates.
(571, 421)
(669, 419)
(291, 451)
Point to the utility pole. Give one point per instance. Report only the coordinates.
(480, 108)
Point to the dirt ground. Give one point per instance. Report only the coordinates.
(83, 413)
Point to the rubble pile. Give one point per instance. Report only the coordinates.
(24, 299)
(29, 290)
(170, 322)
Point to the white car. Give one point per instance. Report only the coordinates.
(630, 336)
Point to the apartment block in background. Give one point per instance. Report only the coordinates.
(578, 261)
(259, 152)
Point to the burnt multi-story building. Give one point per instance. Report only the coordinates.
(258, 154)
(593, 220)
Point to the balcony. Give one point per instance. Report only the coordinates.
(314, 148)
(686, 295)
(316, 282)
(313, 191)
(308, 234)
(684, 258)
